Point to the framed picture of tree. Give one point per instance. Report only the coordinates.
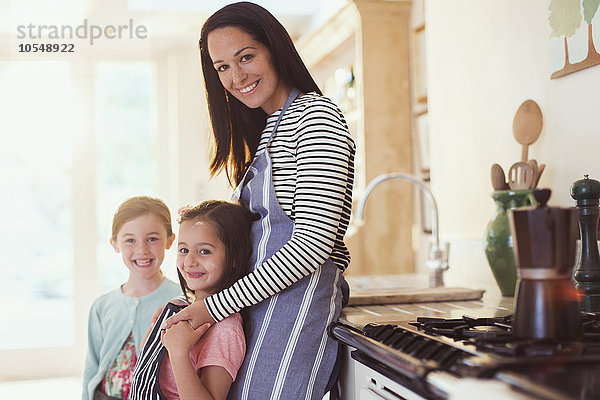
(575, 35)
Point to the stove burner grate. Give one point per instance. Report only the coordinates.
(467, 327)
(494, 335)
(414, 344)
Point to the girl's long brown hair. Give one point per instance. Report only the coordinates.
(232, 224)
(236, 127)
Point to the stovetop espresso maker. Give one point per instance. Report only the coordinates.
(546, 301)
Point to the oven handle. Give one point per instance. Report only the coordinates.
(401, 363)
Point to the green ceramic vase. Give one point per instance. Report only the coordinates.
(498, 241)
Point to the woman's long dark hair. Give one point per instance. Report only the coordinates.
(236, 127)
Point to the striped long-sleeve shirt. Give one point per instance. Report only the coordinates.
(313, 172)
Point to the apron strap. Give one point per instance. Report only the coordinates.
(292, 96)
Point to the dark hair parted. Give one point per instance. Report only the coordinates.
(232, 224)
(236, 127)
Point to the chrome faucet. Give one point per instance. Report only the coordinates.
(437, 262)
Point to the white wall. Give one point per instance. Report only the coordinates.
(184, 127)
(485, 57)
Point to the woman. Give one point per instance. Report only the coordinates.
(266, 109)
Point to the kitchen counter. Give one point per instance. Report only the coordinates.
(359, 316)
(492, 304)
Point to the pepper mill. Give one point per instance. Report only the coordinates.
(586, 192)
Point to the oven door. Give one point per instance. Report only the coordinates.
(359, 381)
(374, 386)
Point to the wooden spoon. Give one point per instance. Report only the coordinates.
(520, 176)
(534, 170)
(527, 125)
(539, 174)
(498, 178)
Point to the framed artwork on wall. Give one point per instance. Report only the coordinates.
(574, 37)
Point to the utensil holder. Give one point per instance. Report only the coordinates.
(498, 241)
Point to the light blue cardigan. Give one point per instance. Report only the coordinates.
(113, 317)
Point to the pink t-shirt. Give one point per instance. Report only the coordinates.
(223, 345)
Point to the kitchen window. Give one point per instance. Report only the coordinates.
(126, 151)
(37, 249)
(77, 139)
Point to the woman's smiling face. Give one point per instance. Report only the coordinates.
(201, 256)
(246, 70)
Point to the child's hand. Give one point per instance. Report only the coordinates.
(181, 337)
(196, 314)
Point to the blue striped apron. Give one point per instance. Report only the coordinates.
(145, 384)
(289, 354)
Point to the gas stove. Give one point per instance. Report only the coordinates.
(430, 355)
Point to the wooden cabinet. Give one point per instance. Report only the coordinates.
(372, 37)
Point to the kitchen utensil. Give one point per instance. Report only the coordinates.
(586, 192)
(539, 174)
(527, 125)
(546, 302)
(498, 178)
(520, 176)
(534, 168)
